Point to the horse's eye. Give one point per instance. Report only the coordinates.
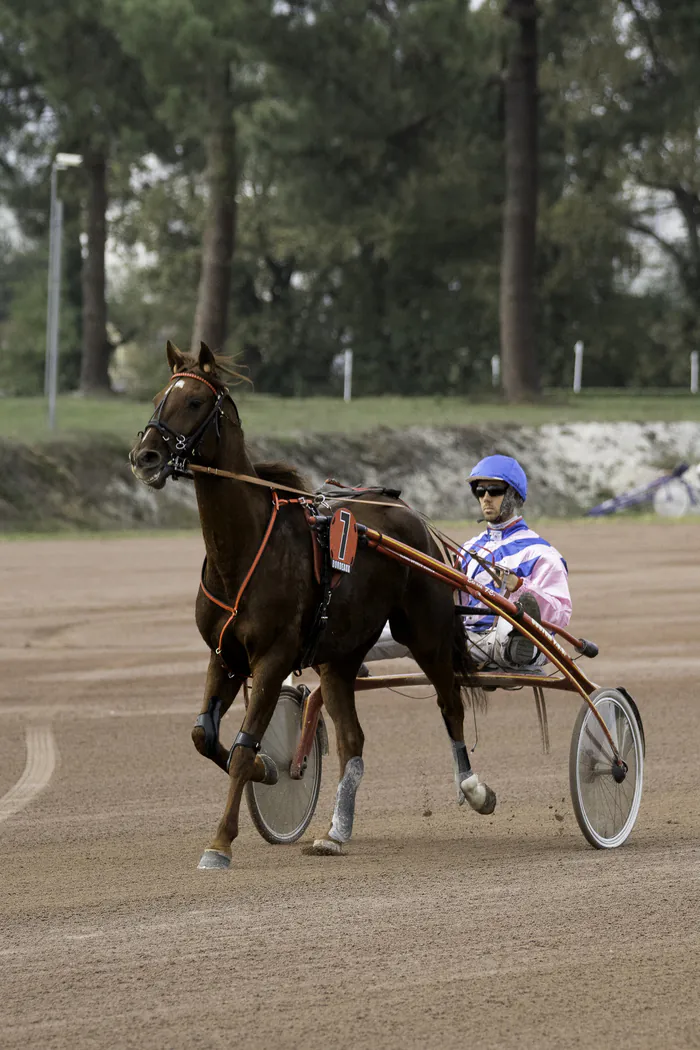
(194, 402)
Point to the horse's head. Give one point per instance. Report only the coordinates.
(187, 418)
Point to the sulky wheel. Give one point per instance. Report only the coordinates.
(282, 812)
(673, 499)
(606, 798)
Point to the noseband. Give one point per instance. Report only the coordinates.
(186, 445)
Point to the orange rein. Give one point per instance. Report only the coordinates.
(232, 610)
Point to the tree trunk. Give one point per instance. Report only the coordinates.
(94, 375)
(72, 295)
(518, 351)
(211, 314)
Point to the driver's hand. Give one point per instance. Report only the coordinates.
(513, 582)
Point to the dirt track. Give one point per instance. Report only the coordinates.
(445, 930)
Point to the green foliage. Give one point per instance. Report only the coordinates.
(369, 142)
(23, 327)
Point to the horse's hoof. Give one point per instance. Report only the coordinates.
(214, 859)
(479, 796)
(199, 739)
(327, 848)
(271, 774)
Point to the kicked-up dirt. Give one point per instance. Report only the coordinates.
(439, 929)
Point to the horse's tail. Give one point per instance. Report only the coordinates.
(465, 666)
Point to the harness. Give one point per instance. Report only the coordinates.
(319, 572)
(326, 570)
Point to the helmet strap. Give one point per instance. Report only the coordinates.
(511, 506)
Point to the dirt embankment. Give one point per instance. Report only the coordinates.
(88, 483)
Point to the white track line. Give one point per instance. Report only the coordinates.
(116, 674)
(38, 770)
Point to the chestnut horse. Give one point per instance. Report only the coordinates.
(196, 417)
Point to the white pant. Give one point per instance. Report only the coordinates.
(491, 646)
(487, 647)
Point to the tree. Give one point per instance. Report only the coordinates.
(96, 100)
(200, 59)
(374, 186)
(621, 93)
(517, 299)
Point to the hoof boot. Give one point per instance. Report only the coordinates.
(479, 796)
(214, 859)
(328, 848)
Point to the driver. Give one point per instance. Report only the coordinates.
(537, 577)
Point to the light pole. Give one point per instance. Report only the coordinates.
(61, 162)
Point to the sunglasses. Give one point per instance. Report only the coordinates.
(493, 490)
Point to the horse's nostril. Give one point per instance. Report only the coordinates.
(147, 459)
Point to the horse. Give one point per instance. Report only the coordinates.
(259, 598)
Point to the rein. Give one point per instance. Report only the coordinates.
(233, 609)
(187, 445)
(275, 486)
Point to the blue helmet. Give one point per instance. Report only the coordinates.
(501, 468)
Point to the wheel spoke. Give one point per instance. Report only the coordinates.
(598, 744)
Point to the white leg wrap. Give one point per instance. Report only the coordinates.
(462, 769)
(344, 812)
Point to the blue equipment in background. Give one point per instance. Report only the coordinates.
(638, 496)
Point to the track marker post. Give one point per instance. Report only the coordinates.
(578, 366)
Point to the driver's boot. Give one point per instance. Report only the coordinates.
(520, 651)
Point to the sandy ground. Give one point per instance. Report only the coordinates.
(439, 929)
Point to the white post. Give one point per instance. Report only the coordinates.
(694, 372)
(495, 370)
(578, 366)
(51, 284)
(347, 375)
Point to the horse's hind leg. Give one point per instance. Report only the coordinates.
(219, 693)
(437, 665)
(338, 686)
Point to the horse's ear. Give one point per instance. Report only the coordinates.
(207, 361)
(176, 359)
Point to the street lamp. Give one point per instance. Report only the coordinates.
(61, 162)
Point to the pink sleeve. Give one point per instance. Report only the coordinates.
(549, 583)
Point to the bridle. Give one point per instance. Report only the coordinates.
(186, 445)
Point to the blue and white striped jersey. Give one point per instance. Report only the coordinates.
(535, 560)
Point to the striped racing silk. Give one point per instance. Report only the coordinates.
(520, 549)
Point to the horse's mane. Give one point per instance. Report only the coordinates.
(226, 366)
(282, 474)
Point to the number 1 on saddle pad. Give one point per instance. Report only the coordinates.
(343, 540)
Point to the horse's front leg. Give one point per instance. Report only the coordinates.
(220, 691)
(243, 761)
